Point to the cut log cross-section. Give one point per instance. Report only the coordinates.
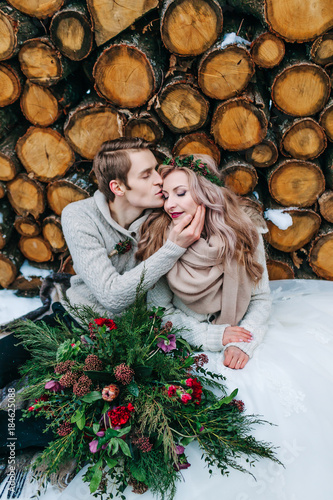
(188, 27)
(26, 195)
(267, 50)
(10, 165)
(35, 248)
(238, 175)
(110, 18)
(295, 182)
(265, 154)
(225, 71)
(45, 153)
(145, 125)
(301, 89)
(293, 20)
(321, 253)
(37, 8)
(71, 31)
(181, 106)
(326, 119)
(27, 226)
(326, 205)
(238, 124)
(129, 70)
(322, 49)
(90, 124)
(42, 63)
(279, 264)
(11, 260)
(197, 143)
(76, 186)
(303, 139)
(53, 234)
(304, 224)
(15, 28)
(10, 83)
(3, 190)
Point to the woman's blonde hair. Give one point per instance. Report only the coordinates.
(224, 218)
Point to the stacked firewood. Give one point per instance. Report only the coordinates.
(247, 82)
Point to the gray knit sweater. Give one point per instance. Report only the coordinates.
(198, 329)
(106, 284)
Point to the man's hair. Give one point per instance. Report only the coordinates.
(112, 161)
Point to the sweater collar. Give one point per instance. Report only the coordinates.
(103, 207)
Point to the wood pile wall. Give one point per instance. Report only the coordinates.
(230, 78)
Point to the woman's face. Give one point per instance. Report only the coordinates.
(178, 200)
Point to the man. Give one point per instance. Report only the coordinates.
(128, 185)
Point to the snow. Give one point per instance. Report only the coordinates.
(1, 218)
(12, 307)
(230, 38)
(279, 217)
(28, 270)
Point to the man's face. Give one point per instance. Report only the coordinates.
(144, 181)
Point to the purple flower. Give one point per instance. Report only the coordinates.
(100, 433)
(93, 446)
(185, 465)
(168, 344)
(180, 449)
(54, 386)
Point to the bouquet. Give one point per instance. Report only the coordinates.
(127, 396)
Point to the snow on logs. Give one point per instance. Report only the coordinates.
(217, 77)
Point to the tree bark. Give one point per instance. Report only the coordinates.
(129, 70)
(45, 153)
(74, 187)
(224, 71)
(6, 222)
(238, 175)
(303, 138)
(38, 8)
(3, 190)
(27, 225)
(240, 123)
(91, 123)
(305, 224)
(189, 27)
(110, 18)
(71, 31)
(265, 154)
(10, 165)
(42, 63)
(197, 143)
(53, 234)
(26, 196)
(295, 182)
(15, 28)
(42, 106)
(320, 255)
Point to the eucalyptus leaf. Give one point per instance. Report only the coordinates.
(91, 397)
(133, 389)
(96, 477)
(81, 422)
(124, 447)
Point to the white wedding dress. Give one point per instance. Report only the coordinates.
(289, 382)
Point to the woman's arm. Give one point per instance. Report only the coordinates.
(196, 331)
(256, 317)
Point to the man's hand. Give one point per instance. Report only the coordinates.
(236, 334)
(188, 230)
(235, 358)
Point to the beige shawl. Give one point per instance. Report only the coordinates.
(207, 287)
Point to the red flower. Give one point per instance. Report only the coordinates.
(185, 398)
(172, 391)
(120, 415)
(109, 323)
(39, 400)
(196, 388)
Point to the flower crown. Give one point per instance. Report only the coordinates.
(196, 165)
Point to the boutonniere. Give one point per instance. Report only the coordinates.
(121, 247)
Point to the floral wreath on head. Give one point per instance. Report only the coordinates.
(198, 166)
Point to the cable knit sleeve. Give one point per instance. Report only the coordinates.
(256, 317)
(112, 290)
(195, 327)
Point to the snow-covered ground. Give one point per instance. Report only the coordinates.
(11, 306)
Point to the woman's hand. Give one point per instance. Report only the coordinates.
(189, 230)
(235, 358)
(236, 334)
